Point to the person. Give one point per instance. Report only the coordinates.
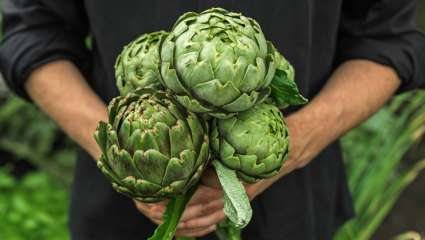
(350, 57)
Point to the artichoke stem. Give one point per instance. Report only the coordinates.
(171, 217)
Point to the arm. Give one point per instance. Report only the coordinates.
(343, 103)
(41, 55)
(38, 36)
(376, 53)
(60, 90)
(356, 90)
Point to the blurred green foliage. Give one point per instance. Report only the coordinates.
(373, 153)
(35, 138)
(374, 157)
(35, 207)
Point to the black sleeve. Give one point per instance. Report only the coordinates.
(383, 31)
(419, 76)
(40, 31)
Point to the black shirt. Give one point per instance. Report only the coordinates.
(315, 36)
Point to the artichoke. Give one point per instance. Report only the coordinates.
(138, 64)
(217, 62)
(152, 148)
(254, 143)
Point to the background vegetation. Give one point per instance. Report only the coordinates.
(383, 156)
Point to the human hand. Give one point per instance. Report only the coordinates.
(210, 179)
(302, 148)
(206, 208)
(153, 211)
(302, 151)
(202, 213)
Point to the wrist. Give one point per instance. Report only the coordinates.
(302, 134)
(255, 189)
(86, 137)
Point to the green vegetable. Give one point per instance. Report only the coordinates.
(254, 143)
(236, 202)
(284, 90)
(171, 218)
(227, 231)
(251, 145)
(138, 64)
(152, 148)
(217, 62)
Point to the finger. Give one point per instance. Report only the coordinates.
(288, 163)
(156, 221)
(142, 207)
(159, 205)
(209, 178)
(162, 203)
(153, 212)
(199, 210)
(146, 211)
(205, 194)
(288, 166)
(158, 208)
(204, 221)
(198, 233)
(187, 230)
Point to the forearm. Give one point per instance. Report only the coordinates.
(356, 90)
(60, 90)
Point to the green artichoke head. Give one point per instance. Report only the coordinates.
(217, 62)
(137, 66)
(254, 143)
(152, 148)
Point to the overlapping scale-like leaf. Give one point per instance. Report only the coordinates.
(152, 148)
(137, 66)
(254, 143)
(217, 62)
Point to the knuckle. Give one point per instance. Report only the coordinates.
(195, 232)
(200, 222)
(204, 209)
(205, 232)
(220, 216)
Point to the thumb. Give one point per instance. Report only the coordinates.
(210, 179)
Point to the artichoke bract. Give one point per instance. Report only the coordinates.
(152, 148)
(254, 143)
(137, 66)
(217, 62)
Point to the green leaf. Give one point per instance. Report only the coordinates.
(227, 231)
(6, 180)
(285, 91)
(171, 217)
(236, 202)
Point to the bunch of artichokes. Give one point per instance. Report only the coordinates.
(213, 78)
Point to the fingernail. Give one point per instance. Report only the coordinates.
(181, 225)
